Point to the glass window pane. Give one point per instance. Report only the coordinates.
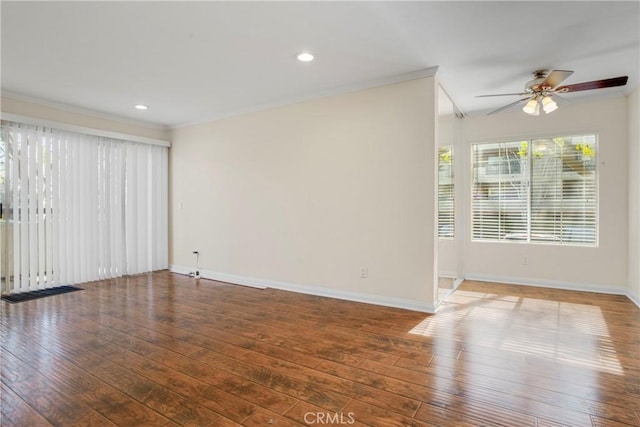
(542, 193)
(563, 190)
(446, 195)
(500, 191)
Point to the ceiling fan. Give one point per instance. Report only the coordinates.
(539, 91)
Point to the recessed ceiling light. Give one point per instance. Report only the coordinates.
(140, 107)
(305, 57)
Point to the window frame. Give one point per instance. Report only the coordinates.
(530, 139)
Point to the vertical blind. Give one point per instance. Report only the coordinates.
(78, 208)
(446, 195)
(542, 190)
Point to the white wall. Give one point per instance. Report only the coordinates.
(634, 195)
(302, 197)
(601, 268)
(76, 117)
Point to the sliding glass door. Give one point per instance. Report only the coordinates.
(77, 208)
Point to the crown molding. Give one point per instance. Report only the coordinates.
(82, 129)
(79, 110)
(339, 90)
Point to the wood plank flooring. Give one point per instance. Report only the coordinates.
(166, 350)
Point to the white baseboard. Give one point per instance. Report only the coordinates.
(221, 277)
(633, 298)
(447, 274)
(569, 286)
(310, 290)
(180, 270)
(456, 282)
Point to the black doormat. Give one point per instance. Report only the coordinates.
(28, 296)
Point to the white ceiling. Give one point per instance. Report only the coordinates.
(195, 61)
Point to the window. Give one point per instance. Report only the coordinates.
(446, 205)
(540, 190)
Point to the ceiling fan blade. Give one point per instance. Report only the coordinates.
(513, 104)
(555, 78)
(596, 84)
(503, 94)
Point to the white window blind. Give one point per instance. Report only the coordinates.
(78, 208)
(541, 190)
(563, 190)
(446, 195)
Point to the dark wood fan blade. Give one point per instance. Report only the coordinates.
(555, 78)
(503, 94)
(596, 84)
(513, 104)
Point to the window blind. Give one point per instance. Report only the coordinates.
(500, 188)
(446, 195)
(563, 190)
(78, 208)
(541, 190)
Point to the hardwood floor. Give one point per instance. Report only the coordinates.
(165, 350)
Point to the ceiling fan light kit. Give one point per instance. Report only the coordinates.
(539, 91)
(532, 107)
(549, 105)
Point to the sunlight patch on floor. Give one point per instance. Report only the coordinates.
(568, 333)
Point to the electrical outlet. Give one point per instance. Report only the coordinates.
(364, 272)
(524, 260)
